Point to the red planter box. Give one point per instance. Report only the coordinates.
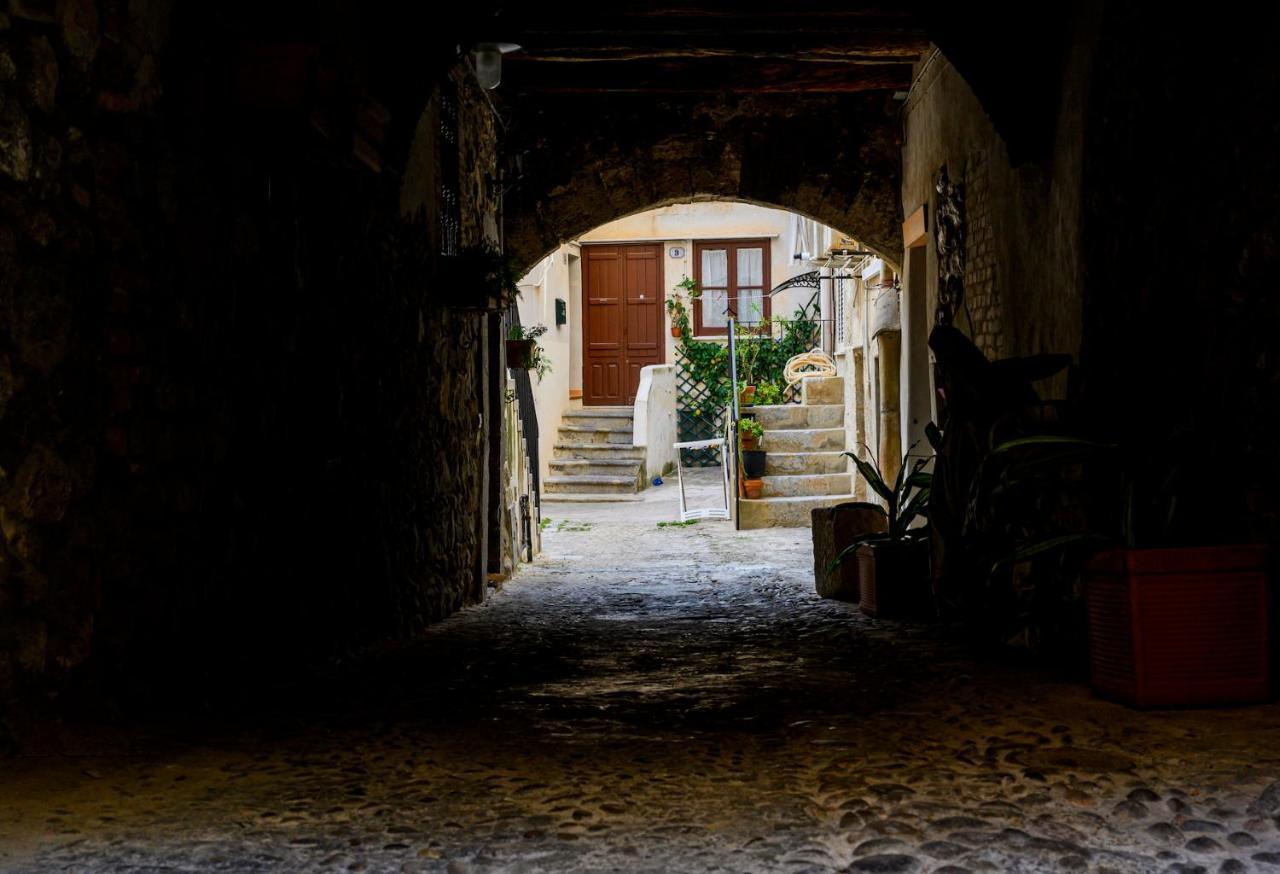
(1180, 627)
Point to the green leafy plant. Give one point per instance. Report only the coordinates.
(750, 428)
(519, 332)
(768, 394)
(905, 501)
(704, 364)
(691, 287)
(537, 359)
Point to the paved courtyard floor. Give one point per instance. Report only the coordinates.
(664, 699)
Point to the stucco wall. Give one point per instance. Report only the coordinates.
(539, 289)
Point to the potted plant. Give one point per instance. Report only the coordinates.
(749, 345)
(893, 566)
(750, 432)
(676, 309)
(768, 394)
(523, 351)
(1025, 506)
(1171, 624)
(753, 488)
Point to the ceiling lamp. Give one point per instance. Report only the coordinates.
(488, 62)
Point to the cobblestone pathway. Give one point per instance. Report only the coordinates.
(670, 699)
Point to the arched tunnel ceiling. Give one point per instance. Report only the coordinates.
(617, 109)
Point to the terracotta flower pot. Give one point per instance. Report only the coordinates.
(749, 441)
(1180, 627)
(754, 488)
(520, 354)
(745, 395)
(675, 331)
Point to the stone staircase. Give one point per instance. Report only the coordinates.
(594, 459)
(804, 468)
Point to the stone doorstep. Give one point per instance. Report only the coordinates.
(598, 450)
(793, 512)
(604, 412)
(607, 467)
(589, 484)
(782, 416)
(588, 498)
(803, 439)
(621, 436)
(822, 390)
(596, 462)
(798, 485)
(786, 463)
(592, 423)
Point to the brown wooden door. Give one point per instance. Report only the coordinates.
(622, 323)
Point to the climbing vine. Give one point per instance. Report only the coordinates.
(761, 358)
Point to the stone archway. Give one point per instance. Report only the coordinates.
(585, 161)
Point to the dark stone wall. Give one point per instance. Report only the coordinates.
(589, 159)
(1132, 219)
(1182, 265)
(236, 419)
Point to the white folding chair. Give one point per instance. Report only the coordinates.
(703, 512)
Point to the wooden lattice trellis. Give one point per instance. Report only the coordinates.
(699, 416)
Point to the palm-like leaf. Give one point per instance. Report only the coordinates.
(872, 476)
(1031, 550)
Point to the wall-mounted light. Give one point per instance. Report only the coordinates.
(488, 61)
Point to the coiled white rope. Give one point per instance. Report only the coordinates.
(813, 363)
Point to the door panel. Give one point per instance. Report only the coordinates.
(644, 313)
(623, 325)
(602, 341)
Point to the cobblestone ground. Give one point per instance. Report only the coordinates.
(669, 699)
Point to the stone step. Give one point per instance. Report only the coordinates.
(599, 417)
(588, 484)
(792, 512)
(800, 416)
(576, 449)
(592, 434)
(815, 390)
(803, 440)
(596, 467)
(609, 412)
(808, 484)
(781, 463)
(573, 498)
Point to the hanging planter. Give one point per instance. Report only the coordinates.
(675, 331)
(523, 351)
(520, 354)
